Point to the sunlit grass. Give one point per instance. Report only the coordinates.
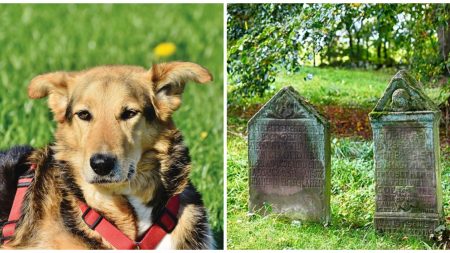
(336, 86)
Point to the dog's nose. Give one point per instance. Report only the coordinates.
(102, 164)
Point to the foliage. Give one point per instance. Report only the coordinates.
(40, 38)
(353, 35)
(261, 40)
(426, 52)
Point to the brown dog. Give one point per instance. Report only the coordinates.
(117, 149)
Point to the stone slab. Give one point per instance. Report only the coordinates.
(405, 126)
(289, 158)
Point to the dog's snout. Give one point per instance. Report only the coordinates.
(102, 164)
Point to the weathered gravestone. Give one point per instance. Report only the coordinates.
(289, 158)
(405, 125)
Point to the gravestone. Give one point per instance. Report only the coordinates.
(405, 125)
(289, 158)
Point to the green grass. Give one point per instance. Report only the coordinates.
(349, 87)
(352, 204)
(35, 39)
(335, 86)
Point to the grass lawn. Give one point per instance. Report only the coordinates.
(334, 86)
(354, 88)
(353, 191)
(35, 39)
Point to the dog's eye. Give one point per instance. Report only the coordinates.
(128, 114)
(166, 89)
(84, 115)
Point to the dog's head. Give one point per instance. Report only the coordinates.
(108, 116)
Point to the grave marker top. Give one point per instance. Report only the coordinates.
(404, 94)
(288, 104)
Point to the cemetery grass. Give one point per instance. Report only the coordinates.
(43, 38)
(352, 204)
(356, 88)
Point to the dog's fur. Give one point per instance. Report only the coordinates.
(124, 111)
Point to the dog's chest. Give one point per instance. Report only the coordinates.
(144, 214)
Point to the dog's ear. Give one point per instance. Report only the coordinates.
(168, 80)
(54, 85)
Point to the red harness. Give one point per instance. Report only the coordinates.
(165, 224)
(22, 185)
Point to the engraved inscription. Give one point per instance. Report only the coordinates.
(422, 227)
(287, 159)
(403, 164)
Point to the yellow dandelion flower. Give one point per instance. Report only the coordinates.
(203, 135)
(165, 49)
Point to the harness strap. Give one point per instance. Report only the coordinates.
(22, 186)
(165, 224)
(108, 231)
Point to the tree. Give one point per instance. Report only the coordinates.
(264, 38)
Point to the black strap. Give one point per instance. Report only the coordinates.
(171, 216)
(96, 222)
(2, 224)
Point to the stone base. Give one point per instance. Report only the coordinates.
(421, 224)
(305, 205)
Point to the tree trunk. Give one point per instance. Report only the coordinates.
(350, 43)
(444, 42)
(329, 58)
(329, 52)
(379, 54)
(314, 59)
(367, 51)
(447, 117)
(358, 49)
